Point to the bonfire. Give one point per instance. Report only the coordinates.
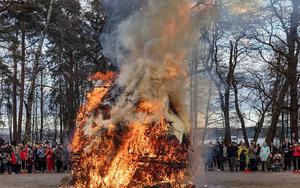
(133, 130)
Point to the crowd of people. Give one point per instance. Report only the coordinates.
(239, 157)
(33, 158)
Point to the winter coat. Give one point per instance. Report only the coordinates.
(224, 151)
(24, 155)
(219, 151)
(264, 153)
(231, 152)
(5, 158)
(296, 151)
(50, 155)
(240, 149)
(251, 153)
(13, 159)
(59, 154)
(41, 153)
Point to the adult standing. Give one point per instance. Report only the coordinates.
(287, 149)
(35, 158)
(264, 154)
(219, 155)
(231, 155)
(24, 157)
(296, 157)
(252, 158)
(60, 157)
(50, 159)
(41, 154)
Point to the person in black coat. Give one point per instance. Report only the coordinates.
(231, 155)
(243, 161)
(287, 149)
(219, 156)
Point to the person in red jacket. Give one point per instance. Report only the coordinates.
(50, 159)
(13, 162)
(24, 157)
(296, 157)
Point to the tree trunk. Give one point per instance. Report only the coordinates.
(195, 105)
(276, 110)
(225, 108)
(55, 129)
(42, 108)
(35, 71)
(61, 135)
(206, 114)
(10, 118)
(260, 123)
(14, 96)
(239, 113)
(293, 52)
(36, 122)
(22, 83)
(70, 107)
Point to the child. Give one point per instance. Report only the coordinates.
(269, 162)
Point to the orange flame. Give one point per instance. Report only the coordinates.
(103, 76)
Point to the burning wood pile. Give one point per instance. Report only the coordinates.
(133, 152)
(133, 129)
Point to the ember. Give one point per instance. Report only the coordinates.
(133, 129)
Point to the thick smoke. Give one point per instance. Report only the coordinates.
(118, 11)
(151, 39)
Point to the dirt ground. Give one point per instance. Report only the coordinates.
(31, 180)
(250, 180)
(209, 180)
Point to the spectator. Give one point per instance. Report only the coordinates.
(35, 158)
(29, 161)
(18, 158)
(209, 156)
(41, 154)
(24, 157)
(243, 160)
(59, 155)
(252, 158)
(264, 154)
(50, 159)
(5, 158)
(241, 148)
(219, 156)
(67, 161)
(296, 157)
(231, 155)
(14, 162)
(287, 149)
(270, 162)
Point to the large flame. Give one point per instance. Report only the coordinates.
(132, 131)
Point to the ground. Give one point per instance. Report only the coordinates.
(251, 180)
(31, 180)
(211, 179)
